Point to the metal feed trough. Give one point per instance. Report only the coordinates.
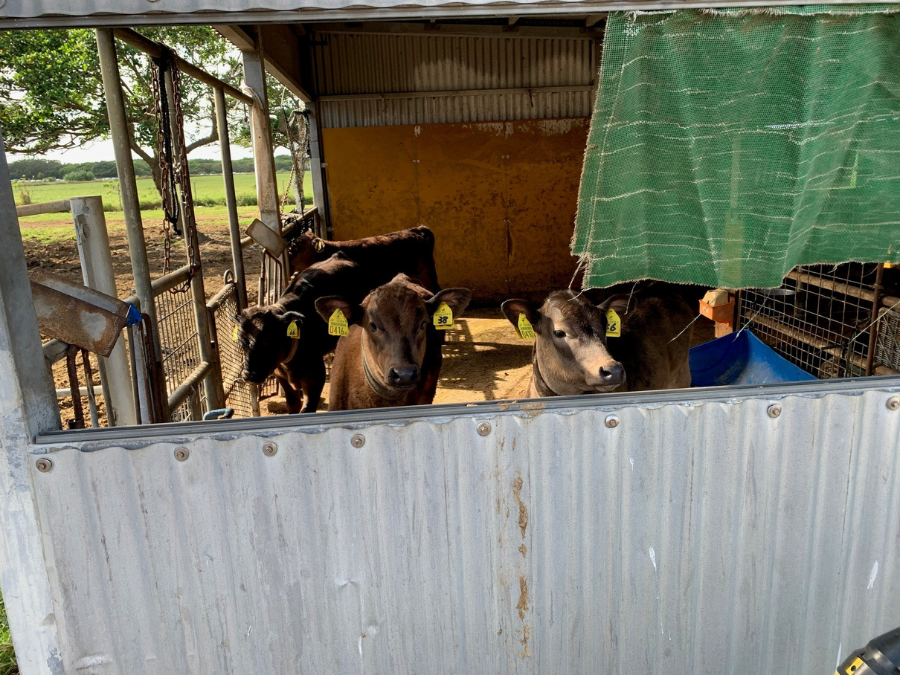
(719, 530)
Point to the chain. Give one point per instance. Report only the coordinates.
(174, 175)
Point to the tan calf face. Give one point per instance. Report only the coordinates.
(571, 342)
(396, 323)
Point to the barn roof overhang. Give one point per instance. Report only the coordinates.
(93, 13)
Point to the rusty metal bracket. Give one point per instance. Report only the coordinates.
(76, 314)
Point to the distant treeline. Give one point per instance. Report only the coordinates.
(50, 169)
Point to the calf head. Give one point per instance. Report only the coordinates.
(263, 336)
(304, 250)
(396, 322)
(570, 341)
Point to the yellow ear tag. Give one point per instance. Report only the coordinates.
(337, 324)
(234, 334)
(524, 328)
(293, 332)
(443, 317)
(319, 245)
(613, 324)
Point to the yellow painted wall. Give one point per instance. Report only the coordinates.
(499, 196)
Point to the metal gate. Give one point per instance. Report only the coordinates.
(694, 533)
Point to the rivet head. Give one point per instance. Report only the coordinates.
(774, 410)
(43, 465)
(893, 403)
(269, 449)
(357, 440)
(612, 421)
(484, 429)
(182, 454)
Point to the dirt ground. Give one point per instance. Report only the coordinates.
(483, 358)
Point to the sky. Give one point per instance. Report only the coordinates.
(103, 151)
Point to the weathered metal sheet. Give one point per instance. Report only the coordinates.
(697, 536)
(500, 197)
(528, 69)
(76, 314)
(46, 13)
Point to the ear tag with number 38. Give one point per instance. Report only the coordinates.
(443, 317)
(613, 324)
(337, 324)
(293, 332)
(524, 328)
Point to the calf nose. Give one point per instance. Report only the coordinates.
(612, 374)
(403, 376)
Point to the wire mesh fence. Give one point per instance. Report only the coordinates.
(821, 318)
(239, 394)
(180, 348)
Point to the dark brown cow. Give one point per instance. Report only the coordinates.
(410, 252)
(572, 354)
(297, 363)
(392, 356)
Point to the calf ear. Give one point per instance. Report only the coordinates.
(326, 306)
(513, 308)
(620, 304)
(457, 300)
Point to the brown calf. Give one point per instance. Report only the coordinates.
(392, 356)
(297, 362)
(572, 354)
(410, 252)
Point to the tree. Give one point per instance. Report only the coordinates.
(51, 92)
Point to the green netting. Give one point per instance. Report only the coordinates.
(726, 147)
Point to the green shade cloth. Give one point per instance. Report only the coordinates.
(728, 146)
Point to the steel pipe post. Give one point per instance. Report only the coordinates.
(234, 226)
(96, 267)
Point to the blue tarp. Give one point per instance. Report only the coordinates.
(740, 358)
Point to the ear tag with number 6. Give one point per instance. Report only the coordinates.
(524, 328)
(337, 324)
(234, 334)
(443, 317)
(293, 332)
(613, 324)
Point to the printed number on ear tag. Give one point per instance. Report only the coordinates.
(337, 324)
(293, 332)
(524, 328)
(613, 324)
(234, 334)
(319, 245)
(443, 317)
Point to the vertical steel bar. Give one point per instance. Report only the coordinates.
(118, 125)
(89, 382)
(873, 327)
(96, 266)
(317, 170)
(234, 226)
(264, 160)
(28, 407)
(212, 384)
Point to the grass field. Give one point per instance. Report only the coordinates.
(7, 656)
(203, 188)
(54, 226)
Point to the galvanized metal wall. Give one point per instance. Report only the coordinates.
(698, 536)
(553, 78)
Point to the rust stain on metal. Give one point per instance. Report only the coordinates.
(523, 510)
(526, 635)
(532, 408)
(523, 549)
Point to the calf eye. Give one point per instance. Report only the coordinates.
(424, 325)
(559, 333)
(373, 327)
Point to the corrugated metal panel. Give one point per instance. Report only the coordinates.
(364, 64)
(694, 538)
